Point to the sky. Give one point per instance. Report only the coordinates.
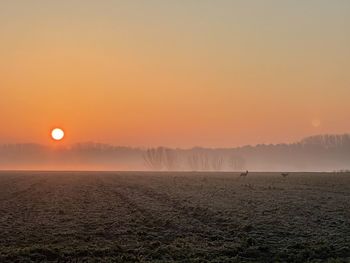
(174, 73)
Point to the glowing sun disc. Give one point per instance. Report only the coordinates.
(57, 134)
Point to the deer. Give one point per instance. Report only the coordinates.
(245, 173)
(284, 174)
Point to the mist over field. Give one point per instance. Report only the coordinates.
(316, 153)
(174, 131)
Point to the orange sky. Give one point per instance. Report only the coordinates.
(208, 73)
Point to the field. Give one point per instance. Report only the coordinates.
(174, 217)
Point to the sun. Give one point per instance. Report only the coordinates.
(57, 134)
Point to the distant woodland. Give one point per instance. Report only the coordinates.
(316, 153)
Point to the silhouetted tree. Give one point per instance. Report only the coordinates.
(154, 158)
(217, 163)
(199, 162)
(170, 159)
(237, 163)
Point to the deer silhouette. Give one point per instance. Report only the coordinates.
(284, 174)
(245, 173)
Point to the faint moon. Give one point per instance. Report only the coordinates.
(57, 134)
(316, 123)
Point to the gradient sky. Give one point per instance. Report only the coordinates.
(174, 73)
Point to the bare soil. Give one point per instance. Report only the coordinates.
(174, 217)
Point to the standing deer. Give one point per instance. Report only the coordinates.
(245, 173)
(284, 174)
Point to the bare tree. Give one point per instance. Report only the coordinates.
(204, 162)
(237, 163)
(217, 163)
(154, 158)
(170, 159)
(193, 162)
(199, 162)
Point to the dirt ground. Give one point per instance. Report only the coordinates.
(174, 217)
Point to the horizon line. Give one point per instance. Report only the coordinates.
(67, 146)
